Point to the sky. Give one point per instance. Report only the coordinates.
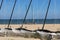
(37, 10)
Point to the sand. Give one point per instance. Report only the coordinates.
(52, 27)
(16, 38)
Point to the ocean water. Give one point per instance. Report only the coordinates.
(37, 21)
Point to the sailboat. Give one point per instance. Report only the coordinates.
(1, 29)
(8, 30)
(47, 34)
(23, 31)
(44, 34)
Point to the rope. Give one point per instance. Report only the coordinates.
(1, 4)
(33, 20)
(12, 13)
(27, 12)
(46, 14)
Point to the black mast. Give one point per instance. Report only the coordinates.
(1, 4)
(46, 14)
(27, 12)
(12, 13)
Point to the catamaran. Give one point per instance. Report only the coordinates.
(22, 31)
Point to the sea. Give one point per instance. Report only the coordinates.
(31, 21)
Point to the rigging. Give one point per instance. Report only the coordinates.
(12, 13)
(27, 12)
(46, 14)
(1, 4)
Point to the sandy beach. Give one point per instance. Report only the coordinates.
(16, 38)
(52, 27)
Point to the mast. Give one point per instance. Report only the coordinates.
(27, 12)
(1, 4)
(12, 13)
(46, 14)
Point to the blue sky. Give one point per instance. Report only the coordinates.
(37, 9)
